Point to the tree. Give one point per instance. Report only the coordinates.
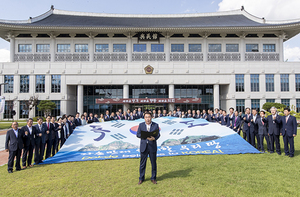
(31, 103)
(46, 106)
(267, 106)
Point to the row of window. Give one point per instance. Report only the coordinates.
(255, 104)
(83, 48)
(24, 111)
(254, 82)
(39, 83)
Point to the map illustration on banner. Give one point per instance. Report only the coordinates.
(179, 136)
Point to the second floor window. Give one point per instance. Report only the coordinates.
(25, 48)
(63, 48)
(239, 83)
(177, 47)
(214, 48)
(101, 48)
(232, 48)
(40, 84)
(270, 82)
(251, 47)
(157, 47)
(43, 48)
(195, 48)
(9, 86)
(254, 82)
(284, 81)
(139, 48)
(81, 48)
(24, 83)
(269, 48)
(119, 48)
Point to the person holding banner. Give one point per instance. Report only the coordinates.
(148, 131)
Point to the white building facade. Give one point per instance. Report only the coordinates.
(211, 60)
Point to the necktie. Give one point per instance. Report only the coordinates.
(262, 122)
(48, 126)
(235, 121)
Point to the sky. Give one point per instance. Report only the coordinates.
(269, 9)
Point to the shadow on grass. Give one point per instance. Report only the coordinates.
(174, 174)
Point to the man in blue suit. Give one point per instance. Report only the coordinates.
(40, 141)
(231, 117)
(236, 122)
(274, 124)
(48, 135)
(148, 147)
(14, 144)
(262, 124)
(289, 131)
(247, 123)
(254, 129)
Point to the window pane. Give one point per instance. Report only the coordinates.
(43, 48)
(254, 82)
(297, 81)
(64, 48)
(139, 48)
(25, 48)
(40, 84)
(195, 48)
(284, 82)
(157, 47)
(240, 105)
(177, 47)
(101, 48)
(214, 48)
(9, 83)
(55, 83)
(269, 48)
(270, 82)
(119, 47)
(251, 47)
(232, 48)
(81, 48)
(24, 83)
(255, 104)
(239, 83)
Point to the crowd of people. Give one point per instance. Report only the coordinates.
(45, 138)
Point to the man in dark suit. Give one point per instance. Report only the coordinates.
(254, 129)
(198, 115)
(14, 144)
(106, 116)
(71, 125)
(224, 118)
(247, 123)
(77, 120)
(40, 141)
(274, 125)
(48, 135)
(54, 135)
(29, 143)
(148, 147)
(231, 117)
(236, 122)
(289, 131)
(96, 118)
(139, 113)
(154, 114)
(262, 124)
(64, 132)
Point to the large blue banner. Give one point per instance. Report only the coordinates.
(117, 140)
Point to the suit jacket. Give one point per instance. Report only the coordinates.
(139, 115)
(42, 131)
(290, 127)
(71, 126)
(106, 117)
(77, 122)
(274, 125)
(224, 120)
(152, 145)
(262, 124)
(230, 120)
(12, 142)
(204, 116)
(236, 122)
(246, 127)
(154, 115)
(197, 116)
(96, 119)
(209, 118)
(51, 130)
(56, 130)
(30, 140)
(253, 125)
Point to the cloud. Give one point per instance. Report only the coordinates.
(291, 53)
(269, 9)
(4, 55)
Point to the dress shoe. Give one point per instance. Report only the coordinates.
(18, 169)
(154, 181)
(279, 153)
(140, 182)
(10, 171)
(286, 154)
(291, 156)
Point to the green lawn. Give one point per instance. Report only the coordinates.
(197, 175)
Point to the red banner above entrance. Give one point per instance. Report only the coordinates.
(148, 100)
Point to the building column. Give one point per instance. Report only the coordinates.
(171, 95)
(91, 48)
(52, 47)
(281, 56)
(125, 96)
(216, 96)
(11, 38)
(80, 99)
(242, 47)
(129, 47)
(167, 47)
(204, 47)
